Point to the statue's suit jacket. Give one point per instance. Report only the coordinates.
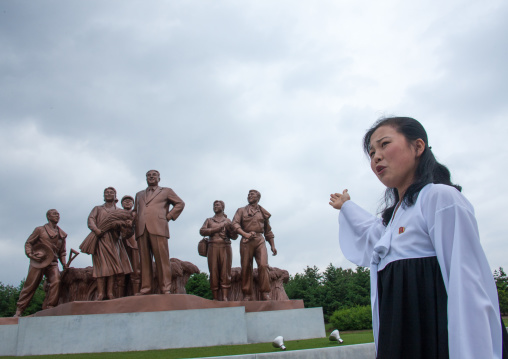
(152, 212)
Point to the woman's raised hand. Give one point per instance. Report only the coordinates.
(337, 199)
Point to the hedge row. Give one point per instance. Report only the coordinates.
(354, 318)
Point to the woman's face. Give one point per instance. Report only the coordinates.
(217, 207)
(393, 159)
(109, 195)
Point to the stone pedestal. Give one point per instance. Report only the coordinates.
(173, 322)
(162, 302)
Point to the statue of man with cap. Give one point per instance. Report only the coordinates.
(44, 247)
(131, 246)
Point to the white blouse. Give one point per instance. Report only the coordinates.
(441, 223)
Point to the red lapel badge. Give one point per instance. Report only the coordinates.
(401, 230)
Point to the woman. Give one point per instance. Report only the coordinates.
(219, 254)
(432, 292)
(109, 256)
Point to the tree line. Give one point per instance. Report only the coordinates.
(333, 289)
(9, 295)
(338, 289)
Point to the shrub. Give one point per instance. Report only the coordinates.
(354, 318)
(199, 285)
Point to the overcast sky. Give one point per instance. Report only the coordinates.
(226, 96)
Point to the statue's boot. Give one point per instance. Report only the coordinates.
(215, 294)
(101, 285)
(120, 290)
(111, 283)
(18, 313)
(135, 288)
(225, 294)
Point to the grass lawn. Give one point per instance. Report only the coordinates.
(354, 337)
(505, 321)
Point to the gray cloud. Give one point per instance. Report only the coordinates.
(224, 97)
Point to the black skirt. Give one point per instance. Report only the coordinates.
(413, 321)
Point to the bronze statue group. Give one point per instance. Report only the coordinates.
(132, 240)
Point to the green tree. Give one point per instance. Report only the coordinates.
(333, 290)
(502, 289)
(9, 296)
(306, 286)
(360, 287)
(345, 288)
(199, 285)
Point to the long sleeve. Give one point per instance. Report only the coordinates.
(30, 242)
(92, 224)
(268, 231)
(237, 219)
(176, 202)
(230, 231)
(205, 231)
(62, 254)
(358, 233)
(474, 326)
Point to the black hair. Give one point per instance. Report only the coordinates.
(429, 170)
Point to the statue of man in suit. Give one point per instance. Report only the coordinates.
(152, 213)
